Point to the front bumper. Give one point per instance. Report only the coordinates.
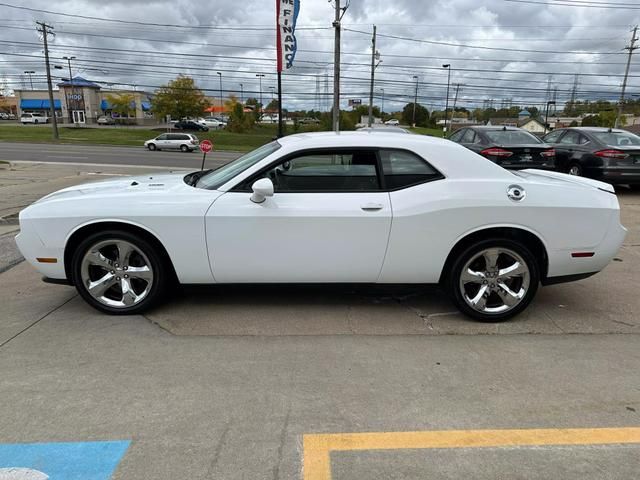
(32, 248)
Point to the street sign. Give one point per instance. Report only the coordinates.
(206, 146)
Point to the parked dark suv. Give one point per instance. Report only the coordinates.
(606, 154)
(509, 147)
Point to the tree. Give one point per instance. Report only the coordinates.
(422, 115)
(180, 98)
(239, 121)
(124, 104)
(273, 106)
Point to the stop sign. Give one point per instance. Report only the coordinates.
(206, 146)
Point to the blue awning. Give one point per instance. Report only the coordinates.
(104, 105)
(30, 104)
(146, 106)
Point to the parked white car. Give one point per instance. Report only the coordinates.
(33, 118)
(212, 122)
(186, 142)
(350, 207)
(393, 122)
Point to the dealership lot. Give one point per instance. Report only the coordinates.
(238, 382)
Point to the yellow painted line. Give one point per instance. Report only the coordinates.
(318, 447)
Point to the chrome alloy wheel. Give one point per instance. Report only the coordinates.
(116, 273)
(494, 281)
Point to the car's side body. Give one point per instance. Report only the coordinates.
(173, 141)
(33, 118)
(584, 151)
(385, 235)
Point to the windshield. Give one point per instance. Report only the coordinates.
(617, 139)
(511, 137)
(222, 175)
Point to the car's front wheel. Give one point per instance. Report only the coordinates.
(151, 146)
(493, 280)
(118, 272)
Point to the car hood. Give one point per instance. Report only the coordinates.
(135, 184)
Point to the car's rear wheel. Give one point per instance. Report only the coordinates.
(184, 148)
(575, 169)
(118, 272)
(151, 146)
(36, 122)
(493, 280)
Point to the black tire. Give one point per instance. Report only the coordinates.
(452, 280)
(184, 148)
(575, 167)
(160, 267)
(36, 121)
(152, 146)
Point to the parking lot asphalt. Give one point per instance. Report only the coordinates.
(278, 382)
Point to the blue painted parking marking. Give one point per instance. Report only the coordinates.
(61, 461)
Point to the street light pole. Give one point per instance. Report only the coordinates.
(415, 101)
(242, 94)
(260, 75)
(221, 105)
(30, 72)
(446, 108)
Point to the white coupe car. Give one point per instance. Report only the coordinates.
(325, 207)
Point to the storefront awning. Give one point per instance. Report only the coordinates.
(30, 104)
(104, 105)
(146, 106)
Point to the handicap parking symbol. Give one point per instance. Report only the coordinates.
(61, 461)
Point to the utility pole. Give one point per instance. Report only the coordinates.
(47, 30)
(242, 94)
(415, 101)
(455, 100)
(339, 12)
(382, 107)
(73, 90)
(630, 48)
(374, 56)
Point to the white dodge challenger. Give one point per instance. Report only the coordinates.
(319, 208)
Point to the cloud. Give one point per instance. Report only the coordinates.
(148, 55)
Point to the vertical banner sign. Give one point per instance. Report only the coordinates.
(287, 15)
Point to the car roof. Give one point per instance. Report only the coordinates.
(494, 127)
(450, 158)
(595, 129)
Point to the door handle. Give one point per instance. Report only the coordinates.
(372, 207)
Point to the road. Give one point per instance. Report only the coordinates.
(108, 155)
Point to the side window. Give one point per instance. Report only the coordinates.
(402, 169)
(469, 136)
(583, 140)
(162, 137)
(173, 136)
(553, 136)
(348, 171)
(571, 137)
(185, 137)
(457, 135)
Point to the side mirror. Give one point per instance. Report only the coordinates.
(262, 189)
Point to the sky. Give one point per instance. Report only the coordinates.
(500, 51)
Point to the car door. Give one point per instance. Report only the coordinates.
(328, 221)
(161, 141)
(568, 150)
(471, 140)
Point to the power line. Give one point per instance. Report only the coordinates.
(569, 4)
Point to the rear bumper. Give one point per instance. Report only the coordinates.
(615, 175)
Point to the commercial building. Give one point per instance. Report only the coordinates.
(81, 102)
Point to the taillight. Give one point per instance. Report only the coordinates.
(548, 153)
(496, 152)
(611, 154)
